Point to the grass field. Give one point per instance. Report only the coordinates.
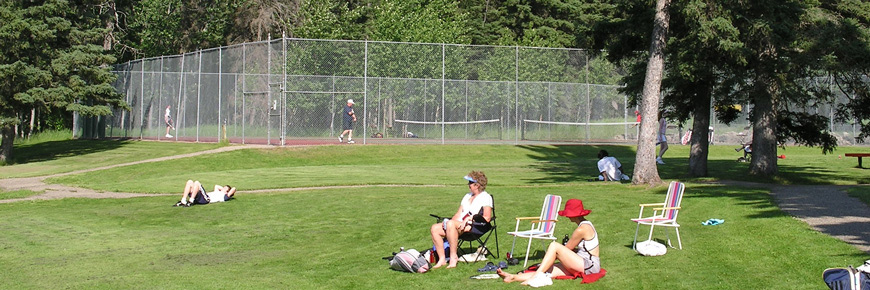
(56, 153)
(334, 238)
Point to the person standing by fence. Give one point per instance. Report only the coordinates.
(662, 138)
(348, 117)
(167, 117)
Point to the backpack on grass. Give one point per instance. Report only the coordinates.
(846, 279)
(409, 261)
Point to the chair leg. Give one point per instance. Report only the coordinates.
(634, 243)
(668, 235)
(680, 242)
(496, 244)
(513, 254)
(651, 227)
(529, 247)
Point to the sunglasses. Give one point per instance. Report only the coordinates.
(471, 182)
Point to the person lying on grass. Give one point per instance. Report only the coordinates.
(476, 202)
(581, 253)
(194, 193)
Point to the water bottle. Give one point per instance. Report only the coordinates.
(565, 240)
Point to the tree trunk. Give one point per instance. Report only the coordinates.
(700, 143)
(32, 122)
(8, 137)
(764, 131)
(645, 170)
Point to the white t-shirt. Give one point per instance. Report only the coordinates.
(167, 115)
(470, 208)
(216, 196)
(610, 166)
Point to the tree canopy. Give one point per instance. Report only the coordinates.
(766, 54)
(52, 59)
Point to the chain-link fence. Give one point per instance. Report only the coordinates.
(290, 91)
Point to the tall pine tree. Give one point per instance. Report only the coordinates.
(52, 57)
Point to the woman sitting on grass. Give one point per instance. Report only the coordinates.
(477, 201)
(580, 254)
(194, 193)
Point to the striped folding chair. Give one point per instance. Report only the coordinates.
(541, 227)
(664, 214)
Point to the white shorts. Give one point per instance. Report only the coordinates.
(662, 139)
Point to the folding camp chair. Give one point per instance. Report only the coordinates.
(665, 214)
(480, 233)
(541, 227)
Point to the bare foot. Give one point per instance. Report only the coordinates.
(507, 277)
(451, 265)
(439, 265)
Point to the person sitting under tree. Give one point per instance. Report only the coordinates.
(609, 168)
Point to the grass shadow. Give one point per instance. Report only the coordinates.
(52, 150)
(570, 163)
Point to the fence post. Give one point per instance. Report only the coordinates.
(283, 88)
(141, 98)
(588, 97)
(244, 87)
(220, 95)
(178, 101)
(365, 91)
(160, 100)
(516, 94)
(198, 93)
(443, 110)
(269, 90)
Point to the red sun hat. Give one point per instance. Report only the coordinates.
(574, 208)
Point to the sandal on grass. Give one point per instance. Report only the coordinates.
(488, 268)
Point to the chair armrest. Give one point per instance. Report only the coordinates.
(540, 221)
(650, 204)
(665, 208)
(517, 227)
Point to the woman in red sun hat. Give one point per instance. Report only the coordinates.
(581, 253)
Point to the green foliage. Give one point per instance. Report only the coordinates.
(742, 52)
(52, 59)
(552, 23)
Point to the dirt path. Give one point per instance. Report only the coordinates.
(826, 208)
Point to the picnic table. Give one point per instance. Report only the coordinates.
(859, 155)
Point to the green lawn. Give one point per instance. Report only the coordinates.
(334, 238)
(66, 155)
(17, 194)
(860, 192)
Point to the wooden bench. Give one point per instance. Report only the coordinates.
(859, 155)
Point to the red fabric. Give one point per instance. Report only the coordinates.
(586, 278)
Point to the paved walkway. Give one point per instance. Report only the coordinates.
(826, 208)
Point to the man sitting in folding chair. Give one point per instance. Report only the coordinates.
(476, 202)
